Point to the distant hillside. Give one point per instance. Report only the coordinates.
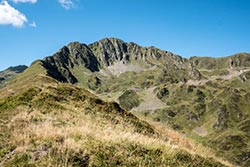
(10, 73)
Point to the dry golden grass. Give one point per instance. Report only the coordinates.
(78, 124)
(74, 129)
(187, 144)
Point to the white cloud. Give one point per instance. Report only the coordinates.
(67, 4)
(10, 15)
(33, 24)
(24, 1)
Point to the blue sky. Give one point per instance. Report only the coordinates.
(33, 29)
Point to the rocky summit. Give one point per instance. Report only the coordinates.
(114, 103)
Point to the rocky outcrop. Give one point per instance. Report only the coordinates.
(108, 51)
(240, 60)
(82, 55)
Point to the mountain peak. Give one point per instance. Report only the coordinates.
(76, 44)
(111, 40)
(68, 63)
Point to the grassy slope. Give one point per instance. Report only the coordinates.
(54, 124)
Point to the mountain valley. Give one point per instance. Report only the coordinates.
(113, 103)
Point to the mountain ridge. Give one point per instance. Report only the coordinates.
(108, 51)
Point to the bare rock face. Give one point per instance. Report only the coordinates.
(108, 51)
(193, 72)
(245, 77)
(221, 119)
(240, 60)
(81, 54)
(58, 66)
(111, 50)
